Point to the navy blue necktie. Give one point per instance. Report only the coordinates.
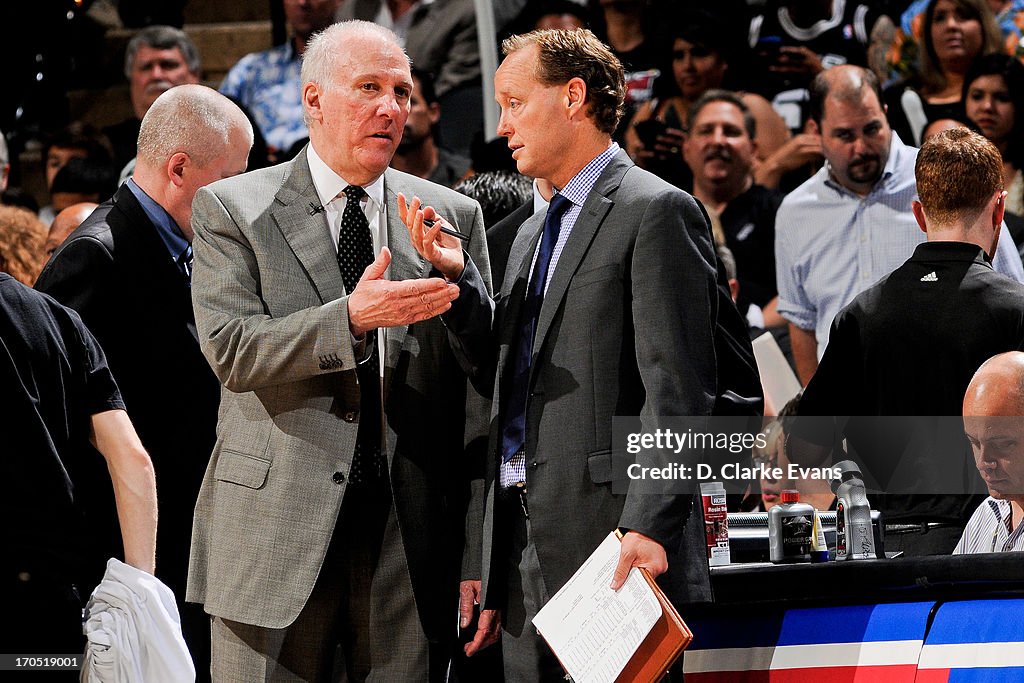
(513, 433)
(184, 262)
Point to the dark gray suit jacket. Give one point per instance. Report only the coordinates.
(626, 328)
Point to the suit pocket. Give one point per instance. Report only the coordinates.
(583, 278)
(244, 470)
(600, 466)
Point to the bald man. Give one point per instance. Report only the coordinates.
(127, 271)
(65, 223)
(994, 424)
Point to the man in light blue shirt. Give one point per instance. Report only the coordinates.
(851, 223)
(268, 83)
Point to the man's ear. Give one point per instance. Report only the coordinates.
(812, 127)
(311, 101)
(176, 168)
(999, 209)
(435, 113)
(576, 96)
(918, 208)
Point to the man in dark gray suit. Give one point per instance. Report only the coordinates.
(608, 307)
(329, 517)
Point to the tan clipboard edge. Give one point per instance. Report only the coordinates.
(663, 645)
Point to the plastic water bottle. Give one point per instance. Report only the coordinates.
(855, 539)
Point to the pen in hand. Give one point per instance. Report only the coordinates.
(429, 222)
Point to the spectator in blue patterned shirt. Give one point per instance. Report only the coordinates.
(268, 84)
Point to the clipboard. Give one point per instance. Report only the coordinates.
(663, 645)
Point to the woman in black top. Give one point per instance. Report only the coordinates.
(955, 34)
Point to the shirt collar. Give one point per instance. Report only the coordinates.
(539, 203)
(329, 184)
(166, 227)
(579, 187)
(1002, 511)
(946, 250)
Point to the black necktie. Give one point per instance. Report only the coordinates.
(514, 431)
(355, 244)
(355, 253)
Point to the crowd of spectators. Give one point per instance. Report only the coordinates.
(796, 125)
(940, 64)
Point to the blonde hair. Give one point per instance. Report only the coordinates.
(933, 78)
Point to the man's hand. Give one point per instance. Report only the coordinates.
(376, 302)
(797, 59)
(639, 551)
(443, 251)
(799, 150)
(488, 626)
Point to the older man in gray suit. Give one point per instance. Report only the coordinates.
(329, 512)
(608, 307)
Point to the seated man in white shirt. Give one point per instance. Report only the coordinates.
(994, 423)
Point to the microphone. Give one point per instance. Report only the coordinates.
(314, 209)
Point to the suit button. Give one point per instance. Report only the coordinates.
(339, 477)
(350, 416)
(534, 464)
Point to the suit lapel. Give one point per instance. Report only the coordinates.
(308, 236)
(520, 254)
(587, 224)
(517, 277)
(406, 264)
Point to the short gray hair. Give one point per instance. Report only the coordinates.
(162, 38)
(193, 119)
(324, 47)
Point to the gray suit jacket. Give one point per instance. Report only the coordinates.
(626, 328)
(271, 310)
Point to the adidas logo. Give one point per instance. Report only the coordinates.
(930, 277)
